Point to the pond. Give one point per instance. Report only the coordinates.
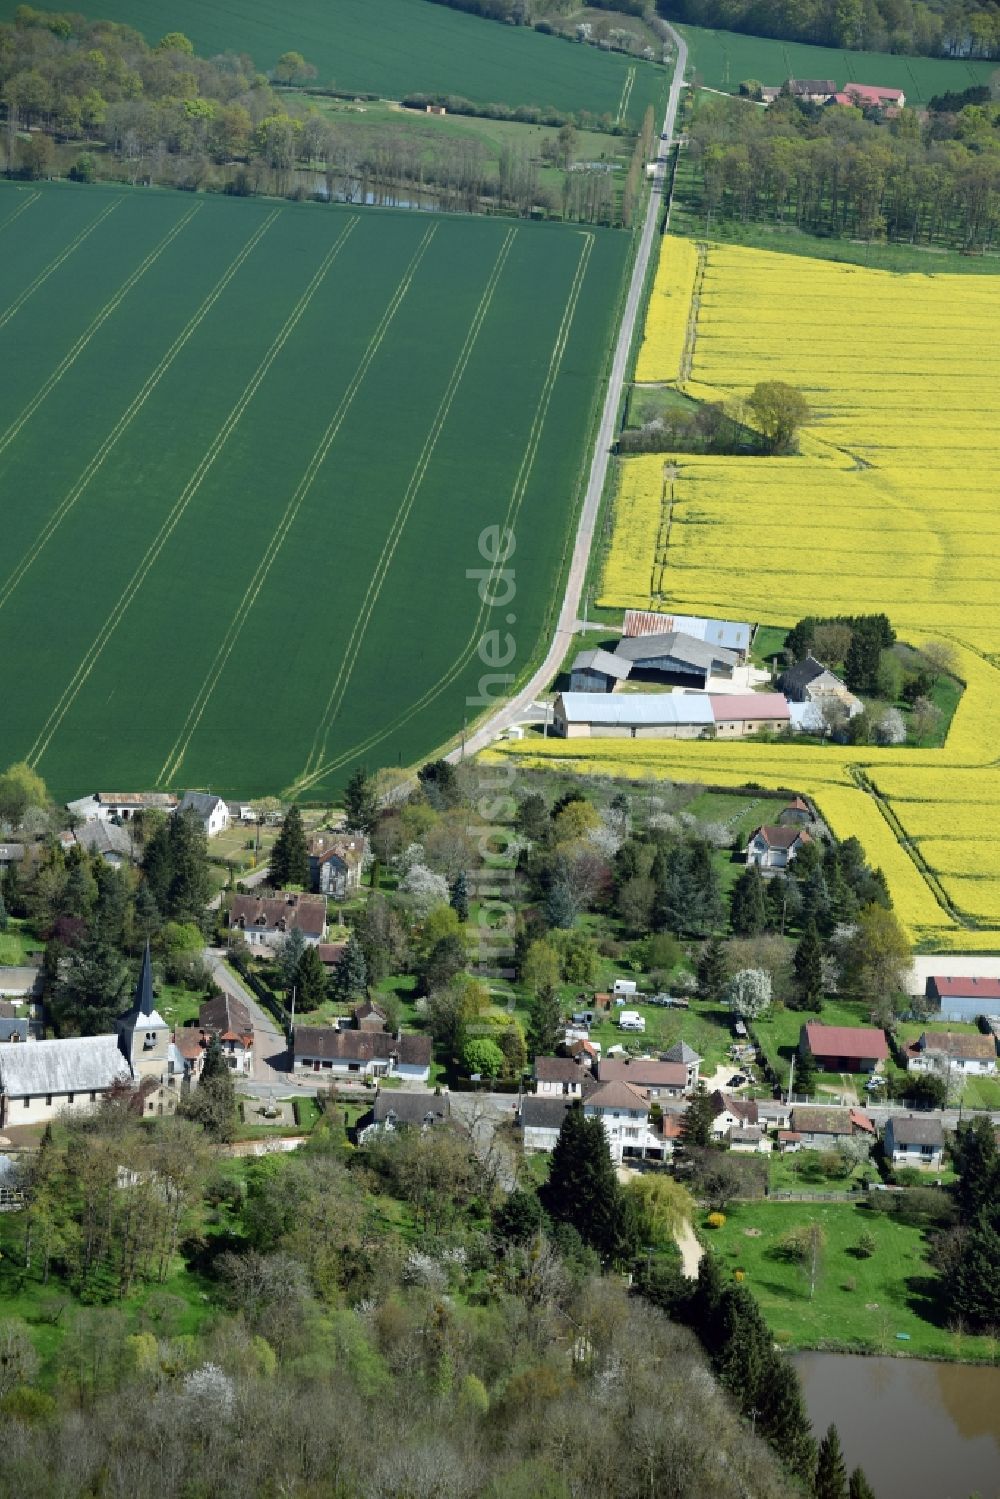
(926, 1430)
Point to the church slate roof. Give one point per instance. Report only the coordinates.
(82, 1064)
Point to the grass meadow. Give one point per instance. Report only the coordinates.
(392, 47)
(724, 59)
(247, 453)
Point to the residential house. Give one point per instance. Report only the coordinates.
(226, 1017)
(13, 1027)
(335, 864)
(624, 1113)
(815, 90)
(676, 659)
(211, 811)
(968, 1053)
(632, 715)
(120, 806)
(393, 1109)
(330, 954)
(562, 1077)
(40, 1079)
(965, 998)
(774, 1114)
(689, 1059)
(11, 855)
(912, 1140)
(771, 847)
(656, 1079)
(844, 1048)
(153, 1099)
(749, 1139)
(597, 671)
(266, 920)
(732, 1113)
(731, 635)
(112, 841)
(540, 1118)
(821, 1128)
(740, 714)
(361, 1054)
(368, 1016)
(809, 681)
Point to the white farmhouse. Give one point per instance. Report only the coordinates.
(211, 811)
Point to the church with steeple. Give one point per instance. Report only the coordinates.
(40, 1079)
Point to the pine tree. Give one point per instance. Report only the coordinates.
(290, 955)
(214, 1064)
(808, 970)
(289, 862)
(310, 981)
(544, 1029)
(748, 904)
(698, 1117)
(582, 1189)
(783, 1419)
(859, 1487)
(804, 1080)
(190, 884)
(745, 1357)
(713, 971)
(459, 896)
(704, 1311)
(213, 1102)
(831, 1472)
(350, 977)
(361, 803)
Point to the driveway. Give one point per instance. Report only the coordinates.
(691, 1250)
(271, 1059)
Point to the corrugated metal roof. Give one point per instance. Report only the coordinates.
(732, 706)
(735, 635)
(83, 1064)
(676, 645)
(602, 661)
(637, 709)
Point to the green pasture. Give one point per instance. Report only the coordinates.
(256, 450)
(724, 59)
(392, 47)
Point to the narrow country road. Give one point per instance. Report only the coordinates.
(270, 1053)
(515, 709)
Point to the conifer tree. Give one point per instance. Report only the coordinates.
(804, 1077)
(582, 1189)
(459, 896)
(859, 1487)
(544, 1029)
(310, 981)
(361, 803)
(350, 976)
(808, 970)
(698, 1117)
(748, 904)
(289, 862)
(783, 1419)
(831, 1472)
(713, 973)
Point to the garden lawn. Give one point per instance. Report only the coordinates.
(891, 1291)
(17, 947)
(319, 386)
(724, 59)
(800, 1171)
(394, 47)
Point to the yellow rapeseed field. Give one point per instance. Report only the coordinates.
(894, 504)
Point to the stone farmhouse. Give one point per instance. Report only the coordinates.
(771, 848)
(361, 1054)
(335, 864)
(266, 920)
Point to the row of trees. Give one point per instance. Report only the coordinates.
(934, 28)
(832, 172)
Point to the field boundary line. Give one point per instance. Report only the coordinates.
(93, 327)
(18, 211)
(517, 494)
(179, 748)
(132, 410)
(54, 264)
(417, 477)
(207, 462)
(626, 95)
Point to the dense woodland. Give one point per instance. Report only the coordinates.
(934, 28)
(94, 100)
(831, 171)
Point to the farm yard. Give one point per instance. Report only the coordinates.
(243, 435)
(891, 505)
(393, 47)
(724, 59)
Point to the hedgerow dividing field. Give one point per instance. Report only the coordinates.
(724, 59)
(892, 504)
(247, 451)
(392, 47)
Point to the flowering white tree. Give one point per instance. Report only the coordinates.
(423, 888)
(749, 993)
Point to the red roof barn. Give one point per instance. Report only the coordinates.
(844, 1048)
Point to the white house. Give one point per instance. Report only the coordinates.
(562, 1077)
(225, 1017)
(266, 920)
(914, 1141)
(212, 812)
(970, 1054)
(624, 1113)
(361, 1054)
(775, 847)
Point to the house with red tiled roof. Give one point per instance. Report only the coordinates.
(844, 1048)
(871, 96)
(771, 847)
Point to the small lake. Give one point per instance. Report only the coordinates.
(919, 1429)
